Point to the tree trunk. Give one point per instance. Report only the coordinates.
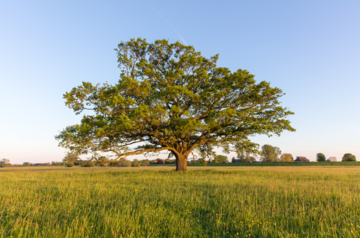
(181, 163)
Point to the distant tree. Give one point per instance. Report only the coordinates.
(202, 162)
(101, 160)
(5, 163)
(136, 163)
(171, 98)
(87, 164)
(126, 163)
(233, 160)
(320, 157)
(71, 157)
(69, 164)
(145, 163)
(245, 155)
(114, 164)
(286, 158)
(331, 159)
(270, 153)
(221, 159)
(348, 157)
(26, 164)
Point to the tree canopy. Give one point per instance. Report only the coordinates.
(348, 157)
(270, 153)
(286, 158)
(320, 157)
(170, 97)
(220, 159)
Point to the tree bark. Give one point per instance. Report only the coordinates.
(181, 163)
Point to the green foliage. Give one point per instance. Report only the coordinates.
(69, 164)
(71, 157)
(5, 163)
(221, 159)
(286, 158)
(145, 162)
(87, 164)
(102, 161)
(219, 203)
(244, 155)
(136, 163)
(320, 157)
(270, 153)
(114, 164)
(348, 157)
(126, 163)
(202, 162)
(170, 97)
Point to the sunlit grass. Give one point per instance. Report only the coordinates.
(158, 202)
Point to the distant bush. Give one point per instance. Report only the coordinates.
(114, 164)
(145, 163)
(69, 164)
(136, 163)
(286, 158)
(348, 157)
(126, 163)
(87, 164)
(320, 157)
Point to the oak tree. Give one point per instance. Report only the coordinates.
(171, 98)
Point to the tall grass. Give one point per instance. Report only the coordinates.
(158, 202)
(320, 164)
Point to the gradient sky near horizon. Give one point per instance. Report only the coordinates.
(309, 49)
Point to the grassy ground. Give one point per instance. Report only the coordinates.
(158, 202)
(281, 164)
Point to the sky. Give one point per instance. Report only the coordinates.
(309, 49)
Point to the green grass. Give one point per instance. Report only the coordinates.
(320, 164)
(158, 202)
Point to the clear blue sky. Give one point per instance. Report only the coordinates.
(310, 49)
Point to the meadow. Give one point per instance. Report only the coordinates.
(159, 202)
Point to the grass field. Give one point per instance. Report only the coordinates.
(281, 164)
(158, 202)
